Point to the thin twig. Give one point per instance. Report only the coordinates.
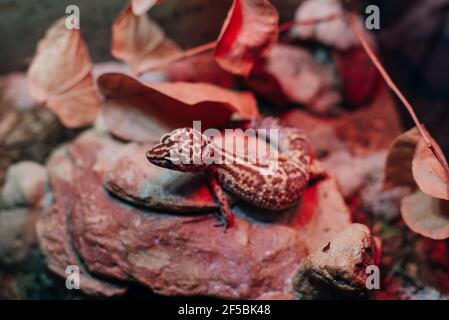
(211, 45)
(361, 36)
(182, 55)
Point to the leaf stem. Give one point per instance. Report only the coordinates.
(211, 45)
(182, 55)
(354, 22)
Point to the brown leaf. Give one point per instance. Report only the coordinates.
(140, 42)
(200, 68)
(398, 168)
(141, 112)
(140, 7)
(249, 32)
(426, 215)
(60, 76)
(432, 178)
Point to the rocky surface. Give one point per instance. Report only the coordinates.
(53, 226)
(339, 268)
(174, 254)
(291, 74)
(27, 132)
(24, 185)
(17, 235)
(131, 178)
(21, 202)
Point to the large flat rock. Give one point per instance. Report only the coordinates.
(174, 254)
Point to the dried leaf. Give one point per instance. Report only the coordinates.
(200, 68)
(360, 78)
(249, 32)
(140, 7)
(140, 42)
(426, 215)
(141, 112)
(398, 168)
(60, 76)
(429, 174)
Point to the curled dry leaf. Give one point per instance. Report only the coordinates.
(142, 112)
(426, 215)
(200, 68)
(411, 162)
(249, 32)
(430, 175)
(140, 42)
(60, 76)
(398, 168)
(140, 7)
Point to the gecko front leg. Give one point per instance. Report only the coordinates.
(226, 215)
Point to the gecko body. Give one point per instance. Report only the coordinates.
(274, 185)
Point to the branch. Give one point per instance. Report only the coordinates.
(211, 45)
(354, 22)
(182, 55)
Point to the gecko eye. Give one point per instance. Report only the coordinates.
(165, 138)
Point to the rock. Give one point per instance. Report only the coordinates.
(369, 129)
(355, 172)
(17, 235)
(339, 267)
(24, 186)
(426, 293)
(336, 33)
(21, 202)
(52, 229)
(134, 179)
(16, 92)
(27, 132)
(293, 74)
(382, 204)
(364, 176)
(174, 254)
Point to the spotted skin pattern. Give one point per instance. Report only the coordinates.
(272, 187)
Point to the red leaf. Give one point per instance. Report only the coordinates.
(60, 76)
(140, 7)
(142, 112)
(140, 42)
(249, 32)
(426, 215)
(359, 76)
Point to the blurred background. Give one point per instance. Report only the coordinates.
(413, 40)
(413, 43)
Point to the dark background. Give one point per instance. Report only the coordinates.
(414, 40)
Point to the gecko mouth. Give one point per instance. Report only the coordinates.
(160, 156)
(164, 163)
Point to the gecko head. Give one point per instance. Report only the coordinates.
(184, 149)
